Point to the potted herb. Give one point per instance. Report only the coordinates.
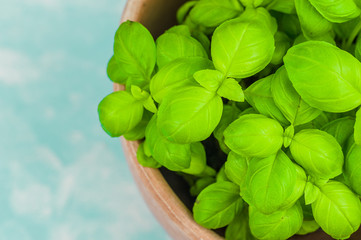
(254, 104)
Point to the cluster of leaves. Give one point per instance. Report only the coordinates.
(277, 83)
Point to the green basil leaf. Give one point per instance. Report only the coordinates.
(190, 115)
(341, 129)
(203, 39)
(201, 184)
(337, 210)
(144, 160)
(278, 225)
(335, 10)
(261, 16)
(239, 229)
(270, 182)
(119, 113)
(288, 136)
(318, 153)
(236, 168)
(217, 205)
(357, 49)
(289, 24)
(198, 159)
(335, 90)
(231, 90)
(241, 49)
(254, 135)
(259, 96)
(138, 132)
(171, 46)
(308, 226)
(344, 30)
(317, 123)
(357, 133)
(289, 101)
(209, 79)
(211, 13)
(312, 22)
(175, 157)
(184, 10)
(114, 71)
(180, 29)
(298, 189)
(282, 44)
(352, 169)
(311, 193)
(221, 175)
(255, 3)
(284, 6)
(134, 50)
(175, 75)
(229, 114)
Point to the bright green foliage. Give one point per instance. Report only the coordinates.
(173, 156)
(201, 184)
(352, 170)
(318, 153)
(229, 114)
(171, 46)
(335, 90)
(175, 75)
(236, 168)
(138, 132)
(211, 13)
(270, 182)
(260, 16)
(144, 160)
(282, 44)
(336, 10)
(217, 205)
(312, 23)
(308, 226)
(357, 134)
(358, 49)
(221, 175)
(286, 138)
(189, 115)
(284, 6)
(289, 102)
(260, 97)
(198, 159)
(241, 49)
(298, 189)
(254, 135)
(183, 11)
(279, 225)
(340, 128)
(239, 229)
(337, 210)
(135, 55)
(119, 113)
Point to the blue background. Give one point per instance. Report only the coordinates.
(61, 176)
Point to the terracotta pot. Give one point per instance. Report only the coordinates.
(165, 204)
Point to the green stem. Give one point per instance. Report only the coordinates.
(353, 35)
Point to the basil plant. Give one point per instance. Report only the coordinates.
(256, 105)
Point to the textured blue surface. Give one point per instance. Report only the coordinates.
(61, 176)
